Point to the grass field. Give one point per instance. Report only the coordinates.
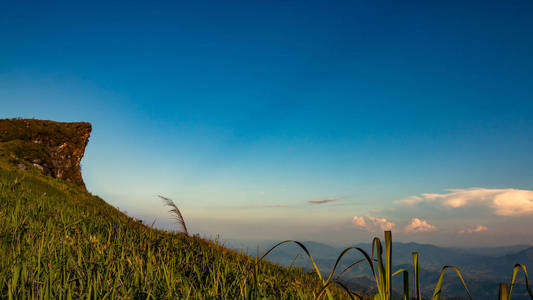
(59, 242)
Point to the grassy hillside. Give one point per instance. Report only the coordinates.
(60, 242)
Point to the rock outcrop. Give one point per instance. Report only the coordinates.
(55, 148)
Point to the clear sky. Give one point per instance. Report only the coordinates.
(412, 116)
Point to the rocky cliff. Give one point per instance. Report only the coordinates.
(55, 148)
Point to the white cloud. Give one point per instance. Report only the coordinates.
(324, 200)
(417, 225)
(479, 228)
(503, 202)
(373, 224)
(359, 221)
(411, 200)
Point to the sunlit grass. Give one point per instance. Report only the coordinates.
(59, 242)
(506, 292)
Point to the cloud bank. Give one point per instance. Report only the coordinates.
(373, 224)
(417, 225)
(479, 228)
(503, 202)
(324, 200)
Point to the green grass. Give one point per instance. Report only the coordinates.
(60, 242)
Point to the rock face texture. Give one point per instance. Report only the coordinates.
(55, 148)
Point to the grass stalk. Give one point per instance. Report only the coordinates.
(416, 291)
(517, 268)
(503, 293)
(174, 210)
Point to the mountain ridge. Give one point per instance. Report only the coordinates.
(482, 273)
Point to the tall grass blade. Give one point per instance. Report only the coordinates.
(517, 268)
(503, 292)
(350, 266)
(302, 246)
(352, 295)
(367, 258)
(380, 277)
(175, 212)
(405, 282)
(438, 287)
(256, 283)
(417, 293)
(294, 260)
(388, 258)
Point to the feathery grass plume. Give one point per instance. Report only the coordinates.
(175, 212)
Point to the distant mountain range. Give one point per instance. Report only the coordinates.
(482, 268)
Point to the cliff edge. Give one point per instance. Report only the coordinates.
(55, 148)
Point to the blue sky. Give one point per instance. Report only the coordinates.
(243, 112)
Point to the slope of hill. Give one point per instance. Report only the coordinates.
(493, 251)
(58, 241)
